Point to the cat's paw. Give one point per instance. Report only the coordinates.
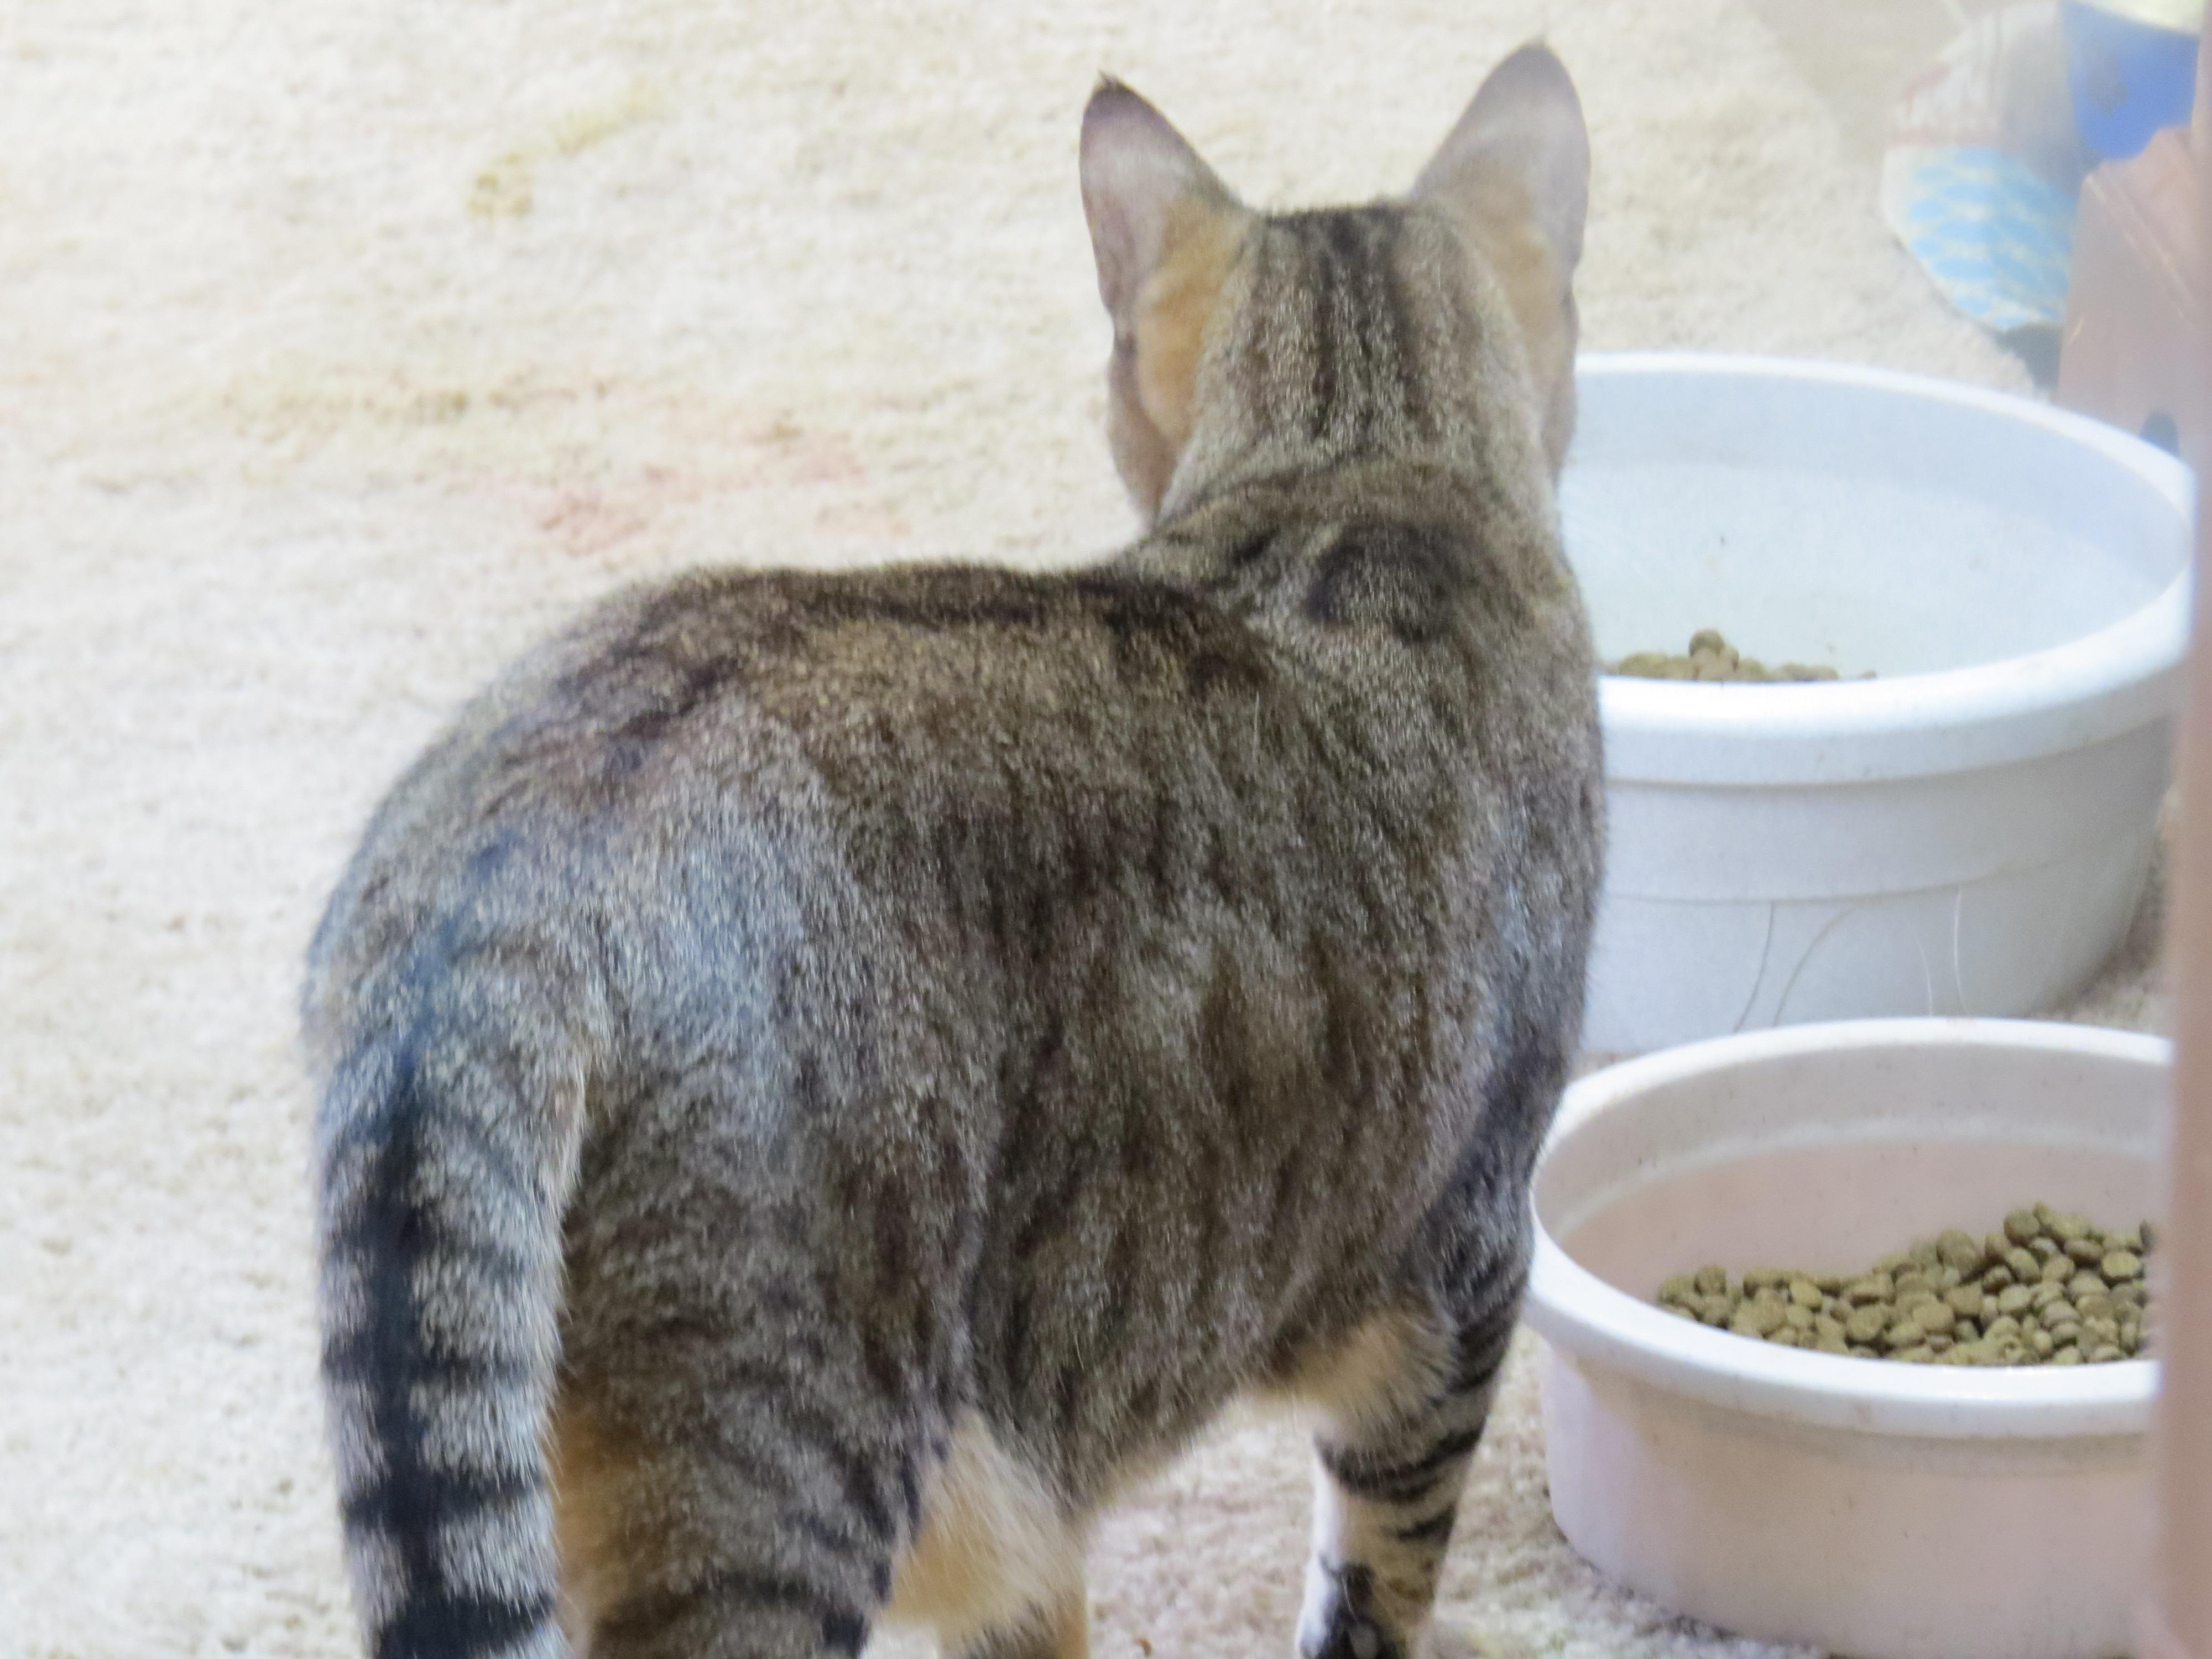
(1340, 1620)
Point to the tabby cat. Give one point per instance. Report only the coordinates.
(827, 1078)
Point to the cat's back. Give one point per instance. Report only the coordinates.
(737, 750)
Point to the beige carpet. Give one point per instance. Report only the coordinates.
(344, 347)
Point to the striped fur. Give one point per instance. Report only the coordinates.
(825, 1075)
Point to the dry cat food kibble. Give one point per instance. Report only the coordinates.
(1713, 659)
(2049, 1289)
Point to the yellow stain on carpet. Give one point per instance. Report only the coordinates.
(503, 190)
(308, 401)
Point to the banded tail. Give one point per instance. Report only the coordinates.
(445, 1151)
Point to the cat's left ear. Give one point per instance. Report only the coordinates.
(1142, 186)
(1164, 229)
(1514, 176)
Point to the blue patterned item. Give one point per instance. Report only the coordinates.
(1995, 236)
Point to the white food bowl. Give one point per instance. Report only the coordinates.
(1884, 1510)
(1968, 833)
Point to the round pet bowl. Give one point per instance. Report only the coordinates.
(1884, 1510)
(1968, 833)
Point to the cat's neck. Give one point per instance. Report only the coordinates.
(1476, 443)
(1432, 487)
(1225, 532)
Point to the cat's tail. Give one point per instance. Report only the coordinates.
(445, 1154)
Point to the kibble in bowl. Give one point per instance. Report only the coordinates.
(1712, 660)
(2047, 1288)
(1755, 1481)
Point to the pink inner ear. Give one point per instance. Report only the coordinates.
(1525, 124)
(1113, 246)
(1134, 167)
(1140, 454)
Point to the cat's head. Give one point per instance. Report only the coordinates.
(1312, 334)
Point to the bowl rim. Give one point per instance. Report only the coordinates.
(2086, 690)
(1585, 1318)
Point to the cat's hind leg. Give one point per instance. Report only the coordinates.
(1403, 1408)
(765, 1529)
(997, 1569)
(747, 1417)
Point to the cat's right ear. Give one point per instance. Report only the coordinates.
(1521, 147)
(1163, 229)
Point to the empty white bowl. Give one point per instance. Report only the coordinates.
(1968, 833)
(1884, 1510)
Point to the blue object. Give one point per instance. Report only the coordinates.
(1997, 238)
(2128, 79)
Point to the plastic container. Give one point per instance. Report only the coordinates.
(1884, 1510)
(1968, 833)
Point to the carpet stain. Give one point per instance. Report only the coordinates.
(319, 400)
(505, 188)
(587, 523)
